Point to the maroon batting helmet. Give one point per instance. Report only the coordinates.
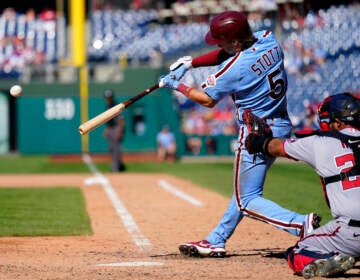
(226, 26)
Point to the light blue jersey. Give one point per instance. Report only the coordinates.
(255, 78)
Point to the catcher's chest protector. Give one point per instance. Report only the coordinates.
(354, 143)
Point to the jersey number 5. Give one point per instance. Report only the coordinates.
(351, 182)
(277, 86)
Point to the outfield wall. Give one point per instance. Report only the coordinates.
(48, 116)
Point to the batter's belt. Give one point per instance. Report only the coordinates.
(354, 223)
(273, 117)
(279, 115)
(348, 221)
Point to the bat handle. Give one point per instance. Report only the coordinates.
(140, 95)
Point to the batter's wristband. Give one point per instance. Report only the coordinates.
(184, 89)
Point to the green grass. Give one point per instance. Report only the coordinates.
(10, 164)
(43, 212)
(296, 186)
(292, 185)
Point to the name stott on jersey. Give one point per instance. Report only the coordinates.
(254, 77)
(329, 156)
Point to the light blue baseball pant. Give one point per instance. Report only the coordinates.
(249, 178)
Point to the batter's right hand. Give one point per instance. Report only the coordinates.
(179, 67)
(168, 81)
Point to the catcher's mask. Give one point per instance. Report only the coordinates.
(343, 106)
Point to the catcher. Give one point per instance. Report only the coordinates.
(334, 153)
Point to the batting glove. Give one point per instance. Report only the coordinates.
(179, 67)
(168, 81)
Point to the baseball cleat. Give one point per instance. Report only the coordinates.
(312, 222)
(202, 248)
(328, 267)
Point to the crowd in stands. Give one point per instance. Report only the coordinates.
(320, 48)
(303, 61)
(27, 39)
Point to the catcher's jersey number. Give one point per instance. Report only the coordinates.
(344, 160)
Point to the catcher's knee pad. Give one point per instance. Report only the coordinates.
(297, 261)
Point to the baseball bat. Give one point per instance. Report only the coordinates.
(102, 118)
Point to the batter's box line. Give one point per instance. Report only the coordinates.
(170, 188)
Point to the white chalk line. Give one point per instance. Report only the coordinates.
(170, 188)
(131, 264)
(128, 221)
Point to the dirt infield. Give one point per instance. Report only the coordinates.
(137, 229)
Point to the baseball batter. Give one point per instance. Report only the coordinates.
(251, 70)
(335, 156)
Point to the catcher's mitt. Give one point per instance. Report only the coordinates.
(259, 132)
(255, 124)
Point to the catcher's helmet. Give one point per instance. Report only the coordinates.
(343, 106)
(227, 26)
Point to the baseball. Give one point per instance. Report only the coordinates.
(16, 90)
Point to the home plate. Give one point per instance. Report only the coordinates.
(132, 264)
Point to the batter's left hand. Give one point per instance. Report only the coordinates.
(168, 81)
(179, 67)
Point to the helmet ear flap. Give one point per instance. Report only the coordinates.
(324, 114)
(324, 126)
